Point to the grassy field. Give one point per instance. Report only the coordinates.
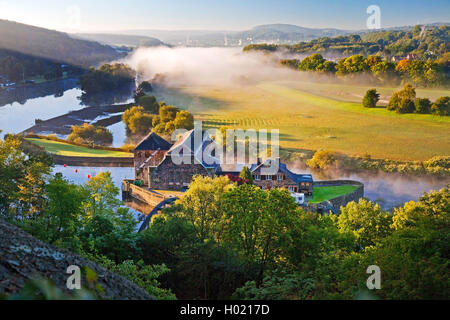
(320, 120)
(64, 149)
(322, 194)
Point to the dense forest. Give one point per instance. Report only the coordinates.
(425, 42)
(222, 240)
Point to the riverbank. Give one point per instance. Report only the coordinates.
(62, 125)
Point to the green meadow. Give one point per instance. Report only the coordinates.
(320, 116)
(65, 149)
(322, 194)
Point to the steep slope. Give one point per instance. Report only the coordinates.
(23, 258)
(52, 45)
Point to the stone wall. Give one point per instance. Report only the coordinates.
(170, 176)
(142, 194)
(93, 161)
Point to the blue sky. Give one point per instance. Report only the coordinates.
(113, 15)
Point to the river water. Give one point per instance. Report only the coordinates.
(20, 107)
(18, 111)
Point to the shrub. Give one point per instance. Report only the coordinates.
(371, 98)
(441, 107)
(403, 100)
(322, 160)
(422, 105)
(90, 134)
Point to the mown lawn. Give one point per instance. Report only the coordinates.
(320, 120)
(322, 194)
(65, 149)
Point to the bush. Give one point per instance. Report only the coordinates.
(138, 121)
(322, 160)
(90, 135)
(441, 107)
(403, 100)
(371, 98)
(422, 105)
(149, 104)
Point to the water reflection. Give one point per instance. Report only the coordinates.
(19, 108)
(108, 98)
(117, 174)
(389, 190)
(22, 94)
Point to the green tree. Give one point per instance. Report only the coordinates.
(403, 100)
(366, 221)
(246, 175)
(441, 107)
(138, 121)
(422, 105)
(257, 221)
(90, 134)
(202, 206)
(371, 98)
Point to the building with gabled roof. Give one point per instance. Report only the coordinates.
(164, 166)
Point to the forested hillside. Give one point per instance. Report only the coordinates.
(51, 45)
(425, 42)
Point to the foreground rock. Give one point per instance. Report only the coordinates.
(24, 258)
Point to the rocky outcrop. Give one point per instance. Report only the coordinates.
(24, 258)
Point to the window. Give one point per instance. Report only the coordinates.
(257, 177)
(268, 178)
(280, 177)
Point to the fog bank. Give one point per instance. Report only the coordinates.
(207, 66)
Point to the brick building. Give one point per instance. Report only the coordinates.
(163, 166)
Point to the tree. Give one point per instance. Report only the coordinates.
(371, 98)
(441, 107)
(322, 160)
(422, 105)
(403, 100)
(90, 134)
(184, 120)
(202, 204)
(168, 113)
(149, 103)
(366, 221)
(102, 194)
(246, 175)
(138, 121)
(257, 221)
(61, 219)
(22, 180)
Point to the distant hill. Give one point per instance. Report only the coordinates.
(431, 41)
(52, 45)
(120, 39)
(282, 33)
(271, 33)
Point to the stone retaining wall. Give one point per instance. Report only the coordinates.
(150, 197)
(93, 161)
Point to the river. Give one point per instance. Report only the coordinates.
(58, 98)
